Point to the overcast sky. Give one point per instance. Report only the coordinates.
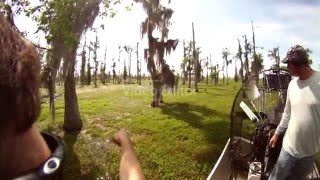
(218, 24)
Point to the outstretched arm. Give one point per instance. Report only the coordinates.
(130, 168)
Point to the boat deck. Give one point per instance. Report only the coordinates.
(223, 169)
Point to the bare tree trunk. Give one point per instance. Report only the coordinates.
(140, 76)
(151, 67)
(216, 75)
(253, 39)
(254, 63)
(85, 19)
(96, 63)
(83, 63)
(95, 74)
(83, 66)
(52, 88)
(138, 73)
(196, 62)
(104, 75)
(235, 70)
(278, 58)
(184, 67)
(207, 78)
(72, 120)
(211, 69)
(114, 76)
(241, 61)
(246, 62)
(55, 61)
(119, 47)
(130, 66)
(89, 70)
(216, 79)
(227, 73)
(223, 77)
(184, 76)
(157, 92)
(189, 70)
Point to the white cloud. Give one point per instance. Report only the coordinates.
(298, 11)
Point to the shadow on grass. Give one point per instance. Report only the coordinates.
(72, 167)
(214, 124)
(71, 160)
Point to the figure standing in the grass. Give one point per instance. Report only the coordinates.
(24, 152)
(300, 121)
(165, 78)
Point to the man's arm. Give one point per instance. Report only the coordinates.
(283, 125)
(130, 168)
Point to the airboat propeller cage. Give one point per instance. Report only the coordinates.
(252, 119)
(257, 109)
(259, 100)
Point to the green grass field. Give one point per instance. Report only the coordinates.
(182, 139)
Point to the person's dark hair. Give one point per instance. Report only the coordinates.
(19, 80)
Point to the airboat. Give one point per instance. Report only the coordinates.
(255, 114)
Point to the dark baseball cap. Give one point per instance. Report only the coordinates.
(296, 54)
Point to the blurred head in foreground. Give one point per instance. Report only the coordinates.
(22, 148)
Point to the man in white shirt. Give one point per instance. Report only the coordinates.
(300, 121)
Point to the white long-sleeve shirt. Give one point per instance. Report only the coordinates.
(301, 117)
